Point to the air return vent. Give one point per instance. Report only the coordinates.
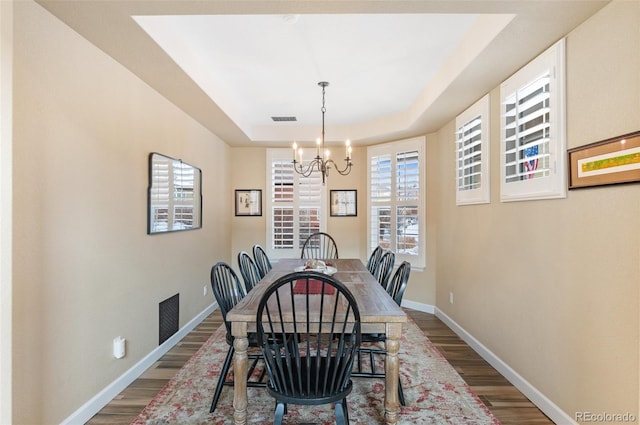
(278, 119)
(169, 317)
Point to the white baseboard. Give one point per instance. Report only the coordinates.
(93, 406)
(425, 308)
(549, 408)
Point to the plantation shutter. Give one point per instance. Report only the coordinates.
(472, 154)
(380, 197)
(282, 200)
(309, 191)
(526, 128)
(407, 196)
(160, 194)
(295, 205)
(469, 154)
(533, 129)
(183, 184)
(407, 176)
(396, 199)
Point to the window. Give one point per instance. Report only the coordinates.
(396, 201)
(532, 148)
(296, 205)
(472, 154)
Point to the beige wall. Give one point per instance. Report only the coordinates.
(84, 269)
(249, 172)
(571, 327)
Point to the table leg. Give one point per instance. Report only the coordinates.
(392, 371)
(240, 366)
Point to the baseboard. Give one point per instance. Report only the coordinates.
(93, 406)
(549, 408)
(425, 308)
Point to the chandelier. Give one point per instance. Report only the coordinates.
(321, 162)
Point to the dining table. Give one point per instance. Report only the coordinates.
(378, 314)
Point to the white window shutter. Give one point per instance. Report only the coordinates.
(472, 154)
(533, 140)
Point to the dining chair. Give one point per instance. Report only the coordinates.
(228, 292)
(262, 260)
(395, 289)
(384, 268)
(374, 258)
(248, 270)
(314, 365)
(319, 246)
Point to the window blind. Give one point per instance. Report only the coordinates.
(407, 176)
(396, 198)
(533, 129)
(380, 197)
(160, 194)
(295, 205)
(526, 131)
(469, 153)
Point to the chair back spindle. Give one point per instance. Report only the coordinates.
(262, 260)
(399, 281)
(248, 270)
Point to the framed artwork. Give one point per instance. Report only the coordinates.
(248, 202)
(344, 203)
(611, 161)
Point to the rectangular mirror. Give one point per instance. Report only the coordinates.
(174, 198)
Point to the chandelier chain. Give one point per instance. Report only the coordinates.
(319, 163)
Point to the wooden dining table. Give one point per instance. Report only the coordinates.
(378, 314)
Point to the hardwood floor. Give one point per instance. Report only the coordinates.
(508, 404)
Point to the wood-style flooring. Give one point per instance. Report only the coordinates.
(508, 404)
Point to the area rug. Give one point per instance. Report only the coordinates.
(434, 393)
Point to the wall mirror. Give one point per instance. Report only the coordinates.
(174, 197)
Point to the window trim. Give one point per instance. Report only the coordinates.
(482, 194)
(283, 154)
(552, 186)
(413, 144)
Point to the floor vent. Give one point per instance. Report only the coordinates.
(169, 317)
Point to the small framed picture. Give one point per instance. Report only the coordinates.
(344, 203)
(248, 202)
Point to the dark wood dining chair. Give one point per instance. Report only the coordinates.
(395, 289)
(228, 292)
(374, 258)
(320, 246)
(311, 363)
(262, 260)
(384, 268)
(248, 270)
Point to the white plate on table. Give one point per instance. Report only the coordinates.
(328, 270)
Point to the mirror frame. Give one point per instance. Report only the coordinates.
(163, 204)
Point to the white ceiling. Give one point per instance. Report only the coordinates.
(395, 68)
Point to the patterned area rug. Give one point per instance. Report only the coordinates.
(434, 392)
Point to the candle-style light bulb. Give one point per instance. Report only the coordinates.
(318, 142)
(348, 147)
(326, 153)
(295, 148)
